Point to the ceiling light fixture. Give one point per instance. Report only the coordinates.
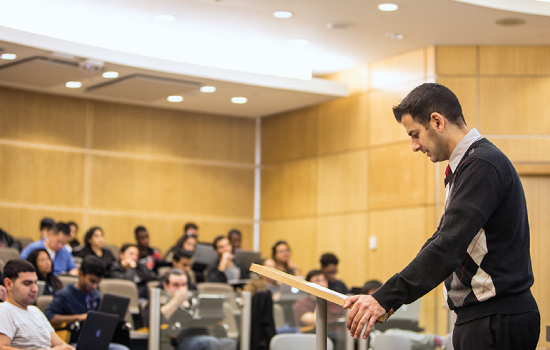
(110, 75)
(73, 84)
(175, 98)
(165, 18)
(394, 36)
(8, 56)
(387, 7)
(298, 42)
(239, 100)
(208, 89)
(282, 14)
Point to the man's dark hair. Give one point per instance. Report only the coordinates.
(175, 272)
(190, 225)
(274, 248)
(89, 235)
(63, 228)
(370, 285)
(72, 223)
(15, 266)
(233, 232)
(47, 223)
(182, 253)
(313, 273)
(327, 259)
(126, 246)
(216, 240)
(91, 265)
(138, 230)
(426, 99)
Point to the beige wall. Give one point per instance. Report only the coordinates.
(119, 166)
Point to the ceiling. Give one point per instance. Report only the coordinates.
(238, 46)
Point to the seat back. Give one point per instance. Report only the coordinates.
(8, 254)
(278, 315)
(2, 264)
(123, 288)
(297, 341)
(25, 241)
(43, 301)
(229, 322)
(390, 342)
(219, 289)
(113, 248)
(67, 279)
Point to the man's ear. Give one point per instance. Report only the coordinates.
(437, 121)
(8, 283)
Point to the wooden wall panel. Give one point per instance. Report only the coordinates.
(399, 177)
(347, 237)
(300, 234)
(42, 118)
(515, 105)
(37, 176)
(342, 182)
(398, 69)
(456, 60)
(517, 60)
(141, 130)
(465, 88)
(343, 124)
(289, 189)
(25, 222)
(357, 78)
(291, 135)
(524, 150)
(156, 186)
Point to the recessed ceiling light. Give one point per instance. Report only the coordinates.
(239, 100)
(208, 89)
(394, 36)
(338, 25)
(175, 98)
(298, 42)
(282, 14)
(165, 18)
(8, 56)
(387, 7)
(73, 84)
(110, 75)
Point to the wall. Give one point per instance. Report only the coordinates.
(119, 166)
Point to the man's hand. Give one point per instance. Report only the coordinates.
(128, 263)
(365, 311)
(63, 347)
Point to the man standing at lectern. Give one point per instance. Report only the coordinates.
(481, 246)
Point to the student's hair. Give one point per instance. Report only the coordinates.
(89, 235)
(91, 265)
(327, 259)
(181, 253)
(190, 225)
(233, 232)
(312, 274)
(216, 240)
(53, 280)
(138, 230)
(63, 228)
(47, 223)
(274, 248)
(172, 272)
(15, 266)
(426, 99)
(73, 224)
(369, 285)
(182, 240)
(126, 246)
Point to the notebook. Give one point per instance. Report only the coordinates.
(97, 332)
(210, 306)
(114, 305)
(247, 257)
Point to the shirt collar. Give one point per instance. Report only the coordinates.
(472, 136)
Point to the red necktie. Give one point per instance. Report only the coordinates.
(447, 171)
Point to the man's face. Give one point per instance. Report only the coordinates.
(428, 141)
(330, 272)
(73, 232)
(175, 283)
(130, 253)
(320, 280)
(88, 283)
(235, 240)
(23, 290)
(143, 239)
(190, 244)
(56, 241)
(223, 246)
(183, 264)
(192, 232)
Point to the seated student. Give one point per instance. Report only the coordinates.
(329, 266)
(72, 303)
(280, 253)
(259, 283)
(73, 242)
(40, 259)
(3, 291)
(130, 269)
(175, 285)
(235, 238)
(225, 268)
(148, 256)
(183, 260)
(186, 242)
(47, 226)
(22, 325)
(55, 243)
(93, 245)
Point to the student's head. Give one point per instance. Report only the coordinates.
(142, 236)
(280, 252)
(94, 238)
(234, 237)
(58, 238)
(129, 251)
(191, 229)
(40, 259)
(90, 274)
(222, 245)
(371, 287)
(187, 242)
(182, 260)
(317, 277)
(74, 229)
(329, 266)
(20, 281)
(173, 281)
(47, 226)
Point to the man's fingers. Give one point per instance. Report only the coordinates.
(370, 326)
(361, 324)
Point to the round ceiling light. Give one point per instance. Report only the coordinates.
(175, 98)
(8, 56)
(207, 89)
(73, 84)
(282, 14)
(387, 7)
(110, 75)
(239, 100)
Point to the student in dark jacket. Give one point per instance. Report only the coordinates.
(130, 269)
(329, 266)
(225, 268)
(40, 259)
(93, 245)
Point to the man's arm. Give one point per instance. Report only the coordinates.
(58, 320)
(5, 344)
(59, 344)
